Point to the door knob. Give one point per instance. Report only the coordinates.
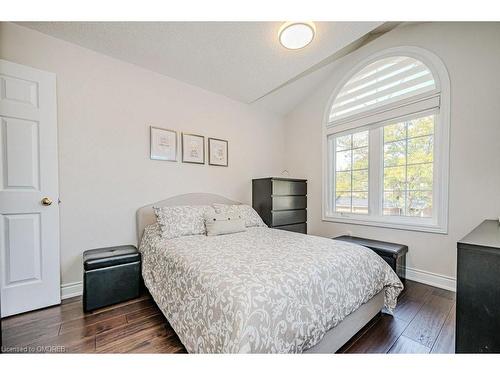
(46, 201)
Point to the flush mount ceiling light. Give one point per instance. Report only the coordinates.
(296, 35)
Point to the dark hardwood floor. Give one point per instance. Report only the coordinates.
(423, 322)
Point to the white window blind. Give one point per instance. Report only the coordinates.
(386, 143)
(381, 83)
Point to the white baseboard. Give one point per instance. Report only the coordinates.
(430, 278)
(71, 290)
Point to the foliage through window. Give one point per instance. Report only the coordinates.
(408, 167)
(382, 164)
(351, 173)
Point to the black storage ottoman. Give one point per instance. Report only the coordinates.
(111, 275)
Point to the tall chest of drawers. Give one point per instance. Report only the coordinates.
(281, 202)
(478, 290)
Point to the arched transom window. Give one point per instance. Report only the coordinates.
(386, 140)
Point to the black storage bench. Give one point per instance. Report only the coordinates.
(393, 253)
(111, 275)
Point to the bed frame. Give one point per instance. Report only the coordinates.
(336, 337)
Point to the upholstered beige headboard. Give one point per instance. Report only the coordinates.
(146, 215)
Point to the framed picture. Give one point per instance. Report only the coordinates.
(217, 152)
(193, 148)
(163, 144)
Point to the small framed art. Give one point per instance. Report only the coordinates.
(217, 152)
(163, 144)
(193, 148)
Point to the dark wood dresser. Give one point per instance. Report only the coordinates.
(478, 290)
(281, 202)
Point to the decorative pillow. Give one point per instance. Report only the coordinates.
(218, 224)
(178, 221)
(247, 213)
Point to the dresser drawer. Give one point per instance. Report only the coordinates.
(282, 187)
(292, 202)
(288, 217)
(299, 228)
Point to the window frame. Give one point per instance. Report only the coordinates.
(435, 102)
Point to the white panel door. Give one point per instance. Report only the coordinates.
(29, 212)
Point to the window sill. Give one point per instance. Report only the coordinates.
(375, 222)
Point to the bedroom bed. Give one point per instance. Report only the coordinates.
(261, 290)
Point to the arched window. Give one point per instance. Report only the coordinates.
(386, 137)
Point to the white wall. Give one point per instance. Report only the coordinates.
(471, 53)
(105, 107)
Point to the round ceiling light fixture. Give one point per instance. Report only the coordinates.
(296, 35)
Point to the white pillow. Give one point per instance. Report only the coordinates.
(218, 224)
(178, 221)
(247, 213)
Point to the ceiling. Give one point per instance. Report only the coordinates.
(240, 60)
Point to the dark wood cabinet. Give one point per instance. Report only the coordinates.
(478, 290)
(281, 202)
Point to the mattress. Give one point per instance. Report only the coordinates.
(262, 290)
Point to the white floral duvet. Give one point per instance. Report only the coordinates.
(262, 290)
